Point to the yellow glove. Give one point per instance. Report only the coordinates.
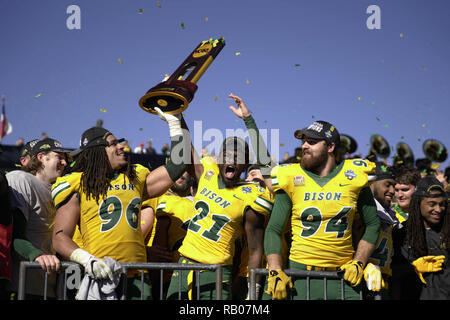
(427, 264)
(374, 278)
(277, 283)
(353, 272)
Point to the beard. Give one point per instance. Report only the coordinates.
(314, 162)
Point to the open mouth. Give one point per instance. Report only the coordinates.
(230, 172)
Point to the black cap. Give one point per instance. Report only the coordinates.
(428, 184)
(28, 147)
(321, 130)
(383, 171)
(92, 137)
(47, 144)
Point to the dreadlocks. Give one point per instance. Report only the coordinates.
(415, 230)
(97, 172)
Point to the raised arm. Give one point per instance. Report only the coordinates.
(259, 146)
(161, 179)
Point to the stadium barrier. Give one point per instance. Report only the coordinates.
(306, 274)
(73, 273)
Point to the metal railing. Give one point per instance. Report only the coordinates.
(197, 267)
(304, 274)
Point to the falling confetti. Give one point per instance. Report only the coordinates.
(159, 4)
(238, 53)
(297, 64)
(246, 81)
(373, 102)
(424, 125)
(378, 119)
(402, 137)
(140, 129)
(386, 126)
(217, 97)
(120, 61)
(140, 11)
(359, 98)
(281, 144)
(401, 35)
(38, 95)
(206, 19)
(102, 110)
(182, 25)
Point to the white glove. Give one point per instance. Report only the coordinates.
(373, 277)
(95, 267)
(174, 122)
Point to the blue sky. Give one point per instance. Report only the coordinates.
(298, 61)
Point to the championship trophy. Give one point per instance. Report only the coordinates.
(173, 94)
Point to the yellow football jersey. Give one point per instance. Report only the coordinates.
(111, 227)
(180, 211)
(218, 216)
(382, 255)
(323, 210)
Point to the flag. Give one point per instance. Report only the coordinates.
(5, 126)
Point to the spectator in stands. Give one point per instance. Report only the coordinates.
(140, 149)
(25, 155)
(403, 284)
(150, 149)
(6, 233)
(33, 213)
(165, 150)
(19, 142)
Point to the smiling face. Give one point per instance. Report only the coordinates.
(115, 152)
(383, 191)
(53, 164)
(432, 210)
(403, 193)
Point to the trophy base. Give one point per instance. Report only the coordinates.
(170, 98)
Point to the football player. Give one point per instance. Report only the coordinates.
(225, 208)
(322, 197)
(103, 195)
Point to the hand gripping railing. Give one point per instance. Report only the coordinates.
(125, 267)
(325, 275)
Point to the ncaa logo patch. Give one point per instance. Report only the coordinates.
(350, 174)
(246, 189)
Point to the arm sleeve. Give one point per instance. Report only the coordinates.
(20, 243)
(368, 210)
(280, 214)
(259, 146)
(177, 163)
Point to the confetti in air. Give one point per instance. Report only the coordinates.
(182, 25)
(120, 61)
(102, 110)
(159, 4)
(38, 95)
